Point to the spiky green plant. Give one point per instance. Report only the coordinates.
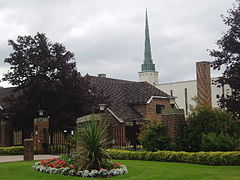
(92, 140)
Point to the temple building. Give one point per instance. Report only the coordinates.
(148, 72)
(203, 87)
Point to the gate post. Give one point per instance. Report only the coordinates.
(28, 154)
(41, 133)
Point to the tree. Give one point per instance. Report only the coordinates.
(228, 56)
(46, 77)
(205, 120)
(218, 142)
(153, 136)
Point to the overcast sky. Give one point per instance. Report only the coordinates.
(107, 36)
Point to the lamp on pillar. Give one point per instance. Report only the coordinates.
(102, 107)
(40, 112)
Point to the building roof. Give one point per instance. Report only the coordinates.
(123, 95)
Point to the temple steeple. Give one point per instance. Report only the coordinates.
(148, 72)
(148, 62)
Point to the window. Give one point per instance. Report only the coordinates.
(159, 108)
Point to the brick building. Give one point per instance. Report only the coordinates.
(131, 103)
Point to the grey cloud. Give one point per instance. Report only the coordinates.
(108, 36)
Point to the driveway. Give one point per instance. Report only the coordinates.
(20, 157)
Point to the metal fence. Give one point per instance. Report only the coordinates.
(59, 141)
(17, 138)
(127, 140)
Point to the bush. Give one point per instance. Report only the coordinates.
(14, 150)
(207, 158)
(59, 148)
(221, 142)
(205, 120)
(153, 136)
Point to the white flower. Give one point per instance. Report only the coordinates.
(71, 172)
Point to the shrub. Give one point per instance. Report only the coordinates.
(205, 120)
(91, 140)
(221, 142)
(13, 150)
(207, 158)
(57, 148)
(153, 136)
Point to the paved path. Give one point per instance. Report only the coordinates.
(20, 157)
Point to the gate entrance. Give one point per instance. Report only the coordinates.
(59, 141)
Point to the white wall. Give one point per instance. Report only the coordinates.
(150, 77)
(178, 90)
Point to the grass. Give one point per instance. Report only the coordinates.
(138, 170)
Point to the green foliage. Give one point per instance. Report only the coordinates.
(182, 139)
(208, 158)
(45, 77)
(221, 142)
(57, 148)
(68, 159)
(91, 141)
(13, 150)
(153, 136)
(205, 120)
(227, 58)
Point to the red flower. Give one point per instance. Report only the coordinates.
(117, 164)
(55, 162)
(71, 166)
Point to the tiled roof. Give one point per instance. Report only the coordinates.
(124, 94)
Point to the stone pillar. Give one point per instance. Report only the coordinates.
(41, 134)
(204, 94)
(28, 154)
(6, 133)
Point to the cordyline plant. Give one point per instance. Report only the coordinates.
(91, 141)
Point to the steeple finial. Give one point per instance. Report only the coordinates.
(148, 62)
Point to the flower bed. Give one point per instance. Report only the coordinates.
(58, 166)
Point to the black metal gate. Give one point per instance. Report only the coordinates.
(59, 141)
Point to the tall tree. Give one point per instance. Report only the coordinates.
(46, 77)
(227, 57)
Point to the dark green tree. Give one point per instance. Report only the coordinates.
(205, 120)
(218, 142)
(227, 57)
(153, 136)
(45, 77)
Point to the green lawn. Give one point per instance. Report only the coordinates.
(137, 170)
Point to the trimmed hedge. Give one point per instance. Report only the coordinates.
(206, 158)
(13, 150)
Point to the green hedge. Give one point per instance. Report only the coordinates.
(207, 158)
(13, 150)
